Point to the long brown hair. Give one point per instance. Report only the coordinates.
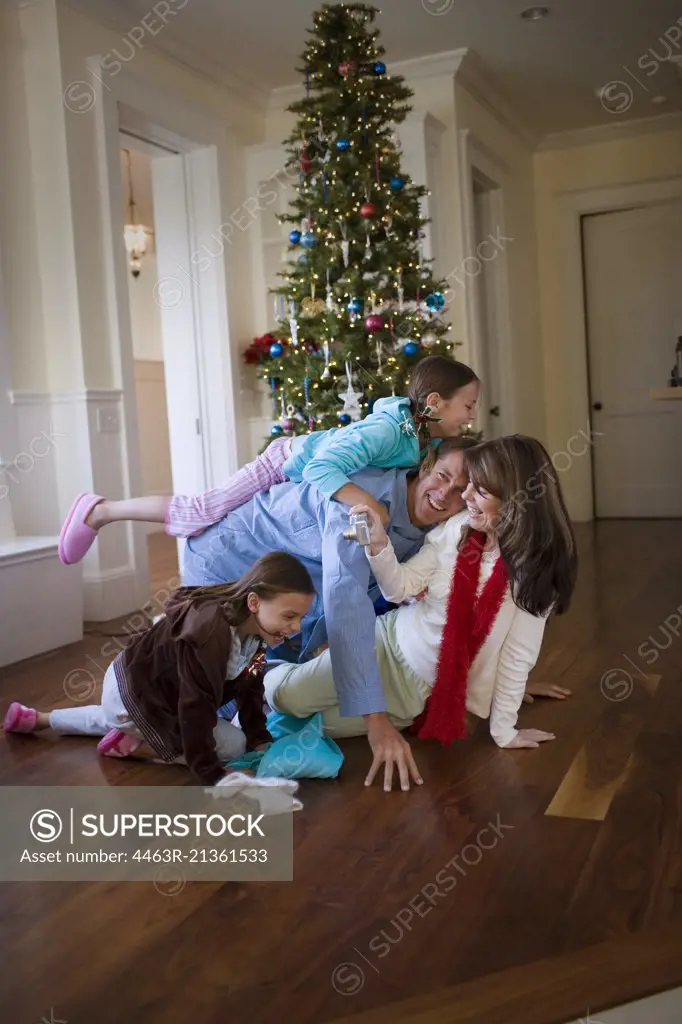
(440, 374)
(533, 529)
(272, 575)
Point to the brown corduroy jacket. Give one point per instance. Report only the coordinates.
(172, 682)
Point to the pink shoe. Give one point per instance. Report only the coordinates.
(76, 537)
(118, 743)
(19, 718)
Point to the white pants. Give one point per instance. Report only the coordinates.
(98, 719)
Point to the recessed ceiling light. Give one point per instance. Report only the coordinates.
(659, 99)
(534, 13)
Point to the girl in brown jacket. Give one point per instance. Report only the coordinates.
(165, 688)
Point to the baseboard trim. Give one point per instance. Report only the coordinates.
(110, 594)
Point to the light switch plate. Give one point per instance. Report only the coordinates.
(108, 421)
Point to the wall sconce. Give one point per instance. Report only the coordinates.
(134, 234)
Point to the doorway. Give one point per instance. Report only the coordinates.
(492, 412)
(632, 260)
(148, 349)
(483, 277)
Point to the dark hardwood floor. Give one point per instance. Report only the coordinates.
(577, 905)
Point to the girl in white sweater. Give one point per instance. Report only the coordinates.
(488, 578)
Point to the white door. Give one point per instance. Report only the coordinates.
(492, 413)
(175, 295)
(633, 268)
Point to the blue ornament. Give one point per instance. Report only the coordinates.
(342, 144)
(344, 419)
(294, 237)
(411, 348)
(277, 429)
(396, 183)
(276, 349)
(354, 306)
(302, 257)
(309, 240)
(436, 300)
(379, 67)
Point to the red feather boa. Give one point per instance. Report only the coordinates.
(467, 624)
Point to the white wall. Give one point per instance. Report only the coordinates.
(560, 173)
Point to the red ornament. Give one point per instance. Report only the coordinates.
(347, 68)
(368, 210)
(374, 322)
(288, 425)
(306, 161)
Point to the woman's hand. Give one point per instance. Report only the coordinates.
(529, 738)
(534, 690)
(377, 531)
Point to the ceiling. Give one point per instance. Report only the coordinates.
(547, 70)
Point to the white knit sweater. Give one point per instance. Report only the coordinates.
(498, 675)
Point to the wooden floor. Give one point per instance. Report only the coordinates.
(577, 906)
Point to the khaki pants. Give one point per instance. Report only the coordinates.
(302, 690)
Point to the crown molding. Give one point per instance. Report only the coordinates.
(612, 131)
(167, 45)
(283, 95)
(473, 76)
(431, 65)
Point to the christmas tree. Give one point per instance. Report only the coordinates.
(358, 306)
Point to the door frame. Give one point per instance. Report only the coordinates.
(570, 363)
(478, 162)
(124, 103)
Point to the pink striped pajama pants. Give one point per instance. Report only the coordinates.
(187, 516)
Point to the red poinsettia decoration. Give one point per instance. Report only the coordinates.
(260, 348)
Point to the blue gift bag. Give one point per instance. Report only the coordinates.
(300, 750)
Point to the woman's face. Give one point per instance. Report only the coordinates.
(483, 508)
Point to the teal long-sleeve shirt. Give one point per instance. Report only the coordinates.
(386, 439)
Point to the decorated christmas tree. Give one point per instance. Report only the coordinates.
(358, 306)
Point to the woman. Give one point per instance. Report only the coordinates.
(471, 641)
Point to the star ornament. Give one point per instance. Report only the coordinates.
(351, 402)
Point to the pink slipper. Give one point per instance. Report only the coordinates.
(118, 743)
(19, 718)
(76, 537)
